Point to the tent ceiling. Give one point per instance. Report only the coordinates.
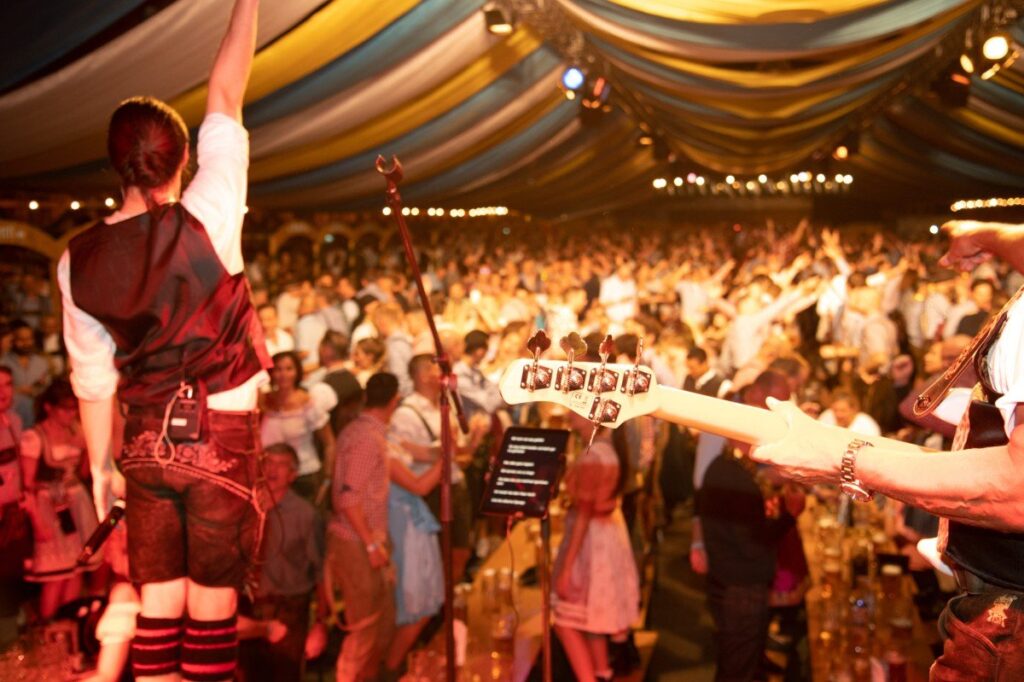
(731, 87)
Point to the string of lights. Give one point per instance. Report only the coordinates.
(480, 212)
(803, 182)
(994, 202)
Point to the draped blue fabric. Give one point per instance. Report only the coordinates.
(57, 27)
(484, 103)
(784, 37)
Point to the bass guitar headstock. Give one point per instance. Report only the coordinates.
(607, 394)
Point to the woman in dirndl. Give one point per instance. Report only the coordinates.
(62, 512)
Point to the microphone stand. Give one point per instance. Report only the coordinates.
(448, 396)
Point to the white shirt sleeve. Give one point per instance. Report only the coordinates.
(90, 347)
(216, 196)
(1006, 365)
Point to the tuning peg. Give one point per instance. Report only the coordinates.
(566, 345)
(538, 343)
(607, 348)
(579, 346)
(639, 350)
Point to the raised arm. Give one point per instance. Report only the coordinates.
(230, 74)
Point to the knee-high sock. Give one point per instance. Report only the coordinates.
(156, 649)
(209, 651)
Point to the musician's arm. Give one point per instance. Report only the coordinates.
(983, 487)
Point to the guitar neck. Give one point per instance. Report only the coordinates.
(739, 422)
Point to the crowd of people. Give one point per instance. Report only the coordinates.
(846, 323)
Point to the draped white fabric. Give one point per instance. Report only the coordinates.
(366, 100)
(70, 105)
(425, 164)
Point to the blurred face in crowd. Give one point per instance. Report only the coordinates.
(6, 391)
(427, 379)
(346, 289)
(280, 471)
(695, 368)
(982, 296)
(24, 341)
(285, 372)
(48, 325)
(268, 320)
(64, 413)
(844, 412)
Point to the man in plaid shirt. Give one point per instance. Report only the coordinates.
(357, 547)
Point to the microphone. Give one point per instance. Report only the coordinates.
(102, 532)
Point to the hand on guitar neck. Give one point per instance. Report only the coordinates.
(609, 394)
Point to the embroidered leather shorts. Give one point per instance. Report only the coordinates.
(984, 638)
(193, 510)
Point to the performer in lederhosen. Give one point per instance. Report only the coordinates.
(157, 318)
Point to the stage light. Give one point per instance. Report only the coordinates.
(439, 212)
(691, 178)
(572, 78)
(75, 205)
(386, 210)
(841, 153)
(109, 202)
(700, 181)
(934, 229)
(245, 210)
(414, 211)
(644, 140)
(762, 178)
(33, 205)
(967, 63)
(820, 177)
(660, 183)
(848, 179)
(794, 178)
(405, 210)
(498, 23)
(996, 48)
(729, 179)
(678, 182)
(751, 185)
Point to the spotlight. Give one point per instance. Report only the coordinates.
(386, 210)
(996, 48)
(762, 178)
(841, 153)
(75, 205)
(934, 229)
(572, 78)
(729, 179)
(33, 205)
(644, 140)
(109, 202)
(498, 23)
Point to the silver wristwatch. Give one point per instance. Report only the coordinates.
(848, 481)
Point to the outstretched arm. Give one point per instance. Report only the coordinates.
(983, 487)
(230, 74)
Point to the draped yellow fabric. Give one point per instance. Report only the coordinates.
(747, 11)
(468, 82)
(331, 32)
(989, 126)
(794, 77)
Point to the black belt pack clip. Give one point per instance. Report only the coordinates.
(187, 413)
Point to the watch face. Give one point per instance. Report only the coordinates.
(856, 492)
